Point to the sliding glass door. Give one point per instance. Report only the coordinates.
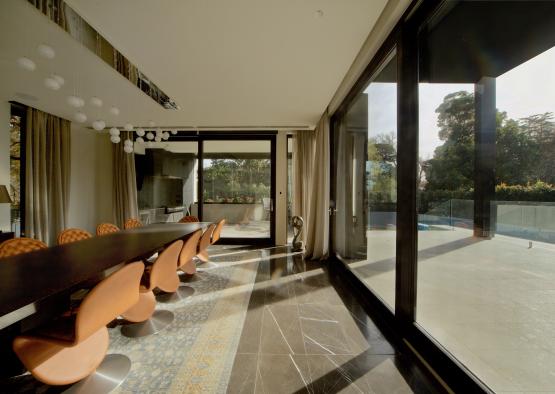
(444, 189)
(238, 185)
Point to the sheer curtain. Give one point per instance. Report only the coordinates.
(48, 161)
(311, 177)
(125, 182)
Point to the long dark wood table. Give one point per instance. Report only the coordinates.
(27, 279)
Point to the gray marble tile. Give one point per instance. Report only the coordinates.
(282, 374)
(243, 374)
(330, 329)
(281, 330)
(252, 328)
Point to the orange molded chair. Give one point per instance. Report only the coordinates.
(189, 251)
(16, 246)
(217, 232)
(132, 223)
(73, 235)
(161, 275)
(106, 228)
(204, 243)
(73, 347)
(186, 264)
(188, 219)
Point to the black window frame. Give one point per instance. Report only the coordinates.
(404, 39)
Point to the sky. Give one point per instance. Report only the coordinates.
(525, 90)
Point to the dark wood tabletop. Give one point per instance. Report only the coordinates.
(31, 277)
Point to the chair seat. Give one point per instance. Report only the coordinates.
(56, 364)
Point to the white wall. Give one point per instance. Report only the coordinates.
(5, 161)
(90, 200)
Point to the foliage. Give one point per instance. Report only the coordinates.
(237, 180)
(382, 168)
(15, 161)
(525, 155)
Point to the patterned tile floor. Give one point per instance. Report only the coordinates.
(261, 321)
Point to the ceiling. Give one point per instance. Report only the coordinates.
(236, 64)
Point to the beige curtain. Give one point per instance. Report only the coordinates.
(125, 182)
(311, 179)
(47, 157)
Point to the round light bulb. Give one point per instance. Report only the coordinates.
(26, 64)
(174, 132)
(140, 132)
(128, 127)
(46, 51)
(140, 140)
(80, 117)
(75, 101)
(166, 135)
(51, 83)
(149, 135)
(128, 148)
(114, 131)
(128, 142)
(115, 139)
(96, 102)
(114, 111)
(59, 79)
(98, 125)
(158, 138)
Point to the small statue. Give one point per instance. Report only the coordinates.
(297, 222)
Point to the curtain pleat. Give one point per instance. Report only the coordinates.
(125, 182)
(311, 179)
(47, 155)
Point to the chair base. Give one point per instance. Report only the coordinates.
(185, 278)
(206, 266)
(181, 293)
(157, 322)
(108, 376)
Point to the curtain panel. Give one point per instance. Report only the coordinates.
(311, 177)
(48, 162)
(125, 182)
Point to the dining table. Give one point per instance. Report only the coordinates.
(28, 280)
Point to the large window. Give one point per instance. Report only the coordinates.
(237, 186)
(445, 189)
(366, 151)
(486, 209)
(17, 183)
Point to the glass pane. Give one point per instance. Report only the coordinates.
(290, 233)
(486, 239)
(237, 187)
(366, 154)
(15, 174)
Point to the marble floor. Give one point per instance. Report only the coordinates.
(490, 303)
(305, 333)
(261, 320)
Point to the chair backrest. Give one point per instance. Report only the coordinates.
(106, 228)
(189, 249)
(132, 223)
(218, 231)
(16, 246)
(188, 219)
(72, 235)
(166, 264)
(206, 238)
(109, 299)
